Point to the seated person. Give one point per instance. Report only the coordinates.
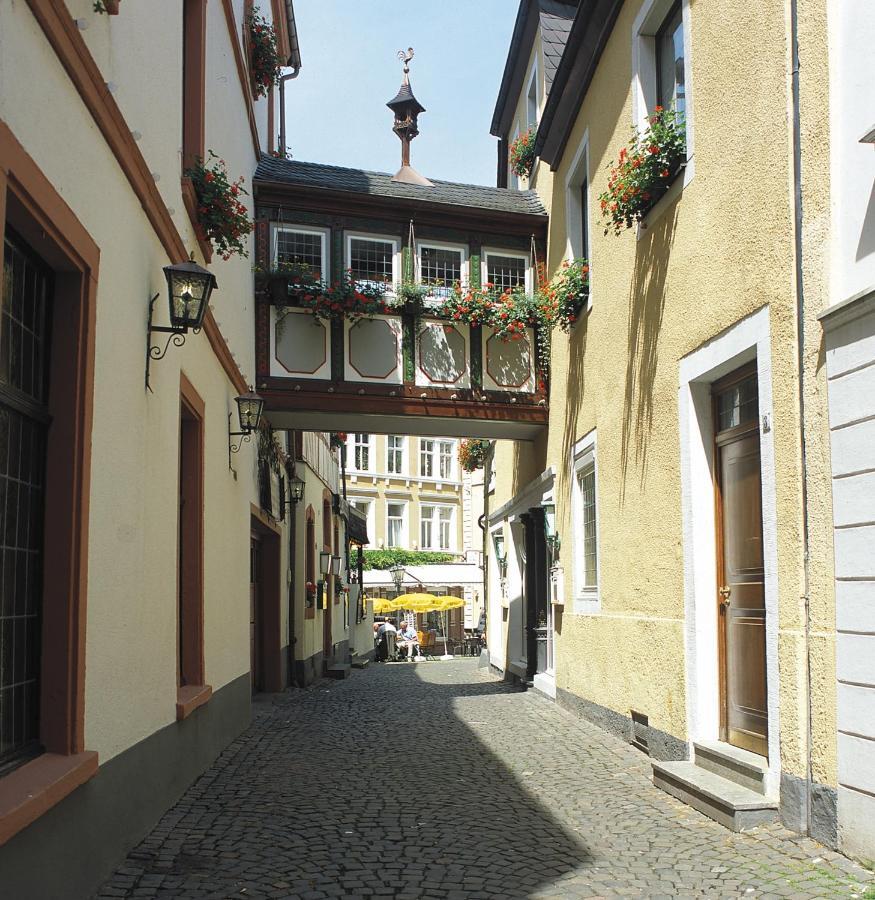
(384, 629)
(409, 640)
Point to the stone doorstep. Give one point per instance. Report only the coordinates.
(741, 766)
(732, 805)
(339, 671)
(359, 662)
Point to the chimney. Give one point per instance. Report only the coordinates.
(407, 109)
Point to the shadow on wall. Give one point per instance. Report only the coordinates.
(646, 306)
(866, 244)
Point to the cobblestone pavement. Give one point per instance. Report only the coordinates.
(504, 796)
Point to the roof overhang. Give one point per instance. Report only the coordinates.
(319, 199)
(590, 32)
(523, 38)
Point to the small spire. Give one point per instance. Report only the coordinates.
(407, 109)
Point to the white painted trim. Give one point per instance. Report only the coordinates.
(748, 339)
(533, 77)
(277, 369)
(545, 682)
(405, 467)
(276, 227)
(574, 211)
(587, 601)
(405, 523)
(512, 254)
(350, 452)
(383, 238)
(396, 376)
(435, 525)
(464, 271)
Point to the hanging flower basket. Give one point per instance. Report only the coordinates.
(522, 153)
(566, 294)
(472, 453)
(222, 219)
(644, 170)
(337, 439)
(264, 54)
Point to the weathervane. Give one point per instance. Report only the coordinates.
(407, 109)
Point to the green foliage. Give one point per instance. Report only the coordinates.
(385, 559)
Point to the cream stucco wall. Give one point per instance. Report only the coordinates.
(714, 256)
(131, 641)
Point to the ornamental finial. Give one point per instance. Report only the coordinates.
(406, 56)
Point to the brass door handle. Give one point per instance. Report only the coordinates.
(724, 595)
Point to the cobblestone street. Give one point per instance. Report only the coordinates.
(504, 795)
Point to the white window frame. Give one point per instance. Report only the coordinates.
(403, 450)
(443, 245)
(323, 233)
(587, 600)
(369, 515)
(435, 521)
(452, 445)
(348, 238)
(532, 84)
(434, 459)
(514, 254)
(352, 444)
(405, 538)
(647, 23)
(578, 171)
(513, 181)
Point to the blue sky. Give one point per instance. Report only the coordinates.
(336, 108)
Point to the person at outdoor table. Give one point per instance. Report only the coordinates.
(408, 638)
(385, 629)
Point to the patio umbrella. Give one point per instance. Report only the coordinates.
(382, 606)
(448, 603)
(424, 603)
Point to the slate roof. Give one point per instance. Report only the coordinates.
(556, 19)
(380, 184)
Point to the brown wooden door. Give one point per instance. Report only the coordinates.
(741, 596)
(255, 614)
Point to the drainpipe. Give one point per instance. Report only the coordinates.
(800, 350)
(293, 529)
(283, 79)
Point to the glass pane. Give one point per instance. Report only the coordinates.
(670, 61)
(371, 261)
(590, 556)
(738, 405)
(299, 248)
(440, 268)
(506, 271)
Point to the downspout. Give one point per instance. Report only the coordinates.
(293, 530)
(800, 350)
(283, 79)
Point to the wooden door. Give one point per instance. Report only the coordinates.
(740, 587)
(255, 614)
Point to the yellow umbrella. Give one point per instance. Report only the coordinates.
(420, 603)
(383, 606)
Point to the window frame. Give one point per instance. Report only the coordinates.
(435, 522)
(390, 450)
(648, 23)
(524, 255)
(405, 520)
(350, 236)
(464, 269)
(431, 454)
(587, 599)
(578, 221)
(352, 446)
(532, 85)
(323, 233)
(675, 9)
(452, 446)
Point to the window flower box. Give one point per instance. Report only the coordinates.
(644, 171)
(264, 57)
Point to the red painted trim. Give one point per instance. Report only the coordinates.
(189, 697)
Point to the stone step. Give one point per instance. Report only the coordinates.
(359, 662)
(732, 805)
(741, 766)
(341, 670)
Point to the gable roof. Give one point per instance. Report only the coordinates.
(554, 18)
(380, 184)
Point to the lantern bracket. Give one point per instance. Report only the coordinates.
(175, 336)
(245, 437)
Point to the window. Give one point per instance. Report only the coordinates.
(445, 458)
(584, 218)
(426, 459)
(507, 270)
(366, 508)
(514, 179)
(372, 261)
(436, 527)
(532, 99)
(294, 246)
(585, 506)
(577, 206)
(670, 61)
(395, 524)
(395, 454)
(441, 267)
(361, 452)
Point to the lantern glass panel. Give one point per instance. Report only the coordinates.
(296, 489)
(249, 407)
(324, 562)
(335, 565)
(189, 288)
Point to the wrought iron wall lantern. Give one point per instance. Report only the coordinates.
(294, 496)
(188, 288)
(336, 563)
(550, 533)
(398, 572)
(249, 407)
(500, 559)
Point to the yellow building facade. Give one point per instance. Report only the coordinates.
(692, 330)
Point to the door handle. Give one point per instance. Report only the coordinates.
(724, 592)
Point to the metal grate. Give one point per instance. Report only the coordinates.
(506, 271)
(300, 248)
(371, 261)
(24, 354)
(441, 269)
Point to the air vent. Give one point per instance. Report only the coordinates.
(640, 731)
